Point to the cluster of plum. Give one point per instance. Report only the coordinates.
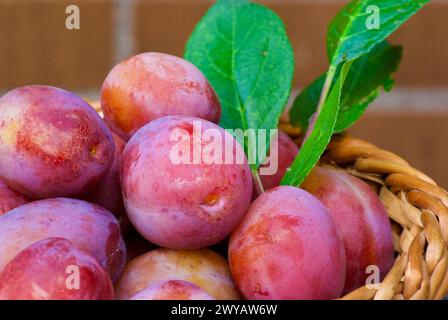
(95, 208)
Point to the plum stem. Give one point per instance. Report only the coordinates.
(258, 184)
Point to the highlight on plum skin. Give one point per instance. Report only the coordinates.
(151, 85)
(90, 227)
(54, 269)
(287, 247)
(183, 205)
(52, 143)
(203, 268)
(10, 199)
(360, 216)
(172, 290)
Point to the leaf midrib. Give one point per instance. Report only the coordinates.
(241, 104)
(263, 64)
(232, 68)
(342, 35)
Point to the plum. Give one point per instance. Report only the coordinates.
(9, 198)
(287, 247)
(203, 268)
(152, 85)
(285, 153)
(54, 269)
(107, 193)
(52, 143)
(182, 204)
(361, 218)
(88, 226)
(172, 290)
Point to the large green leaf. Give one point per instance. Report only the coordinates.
(348, 35)
(368, 74)
(243, 50)
(318, 135)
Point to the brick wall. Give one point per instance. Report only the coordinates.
(37, 48)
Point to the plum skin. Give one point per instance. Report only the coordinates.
(361, 218)
(203, 268)
(286, 153)
(287, 247)
(10, 199)
(52, 143)
(182, 206)
(172, 290)
(151, 85)
(45, 265)
(90, 227)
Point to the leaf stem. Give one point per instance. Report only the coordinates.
(258, 184)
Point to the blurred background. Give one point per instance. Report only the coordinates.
(37, 48)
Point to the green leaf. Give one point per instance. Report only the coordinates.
(243, 50)
(319, 133)
(368, 74)
(348, 35)
(351, 37)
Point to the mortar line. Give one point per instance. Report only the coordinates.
(123, 33)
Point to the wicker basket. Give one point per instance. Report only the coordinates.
(417, 208)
